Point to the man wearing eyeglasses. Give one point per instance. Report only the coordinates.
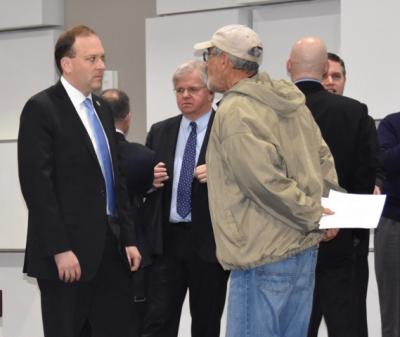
(267, 170)
(178, 227)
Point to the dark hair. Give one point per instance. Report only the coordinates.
(336, 58)
(64, 44)
(118, 101)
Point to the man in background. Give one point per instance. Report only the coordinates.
(81, 244)
(267, 167)
(334, 81)
(137, 162)
(387, 235)
(178, 227)
(345, 126)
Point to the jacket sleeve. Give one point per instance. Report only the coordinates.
(36, 170)
(377, 160)
(260, 173)
(125, 211)
(366, 164)
(388, 135)
(327, 162)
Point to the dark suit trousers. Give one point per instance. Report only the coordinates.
(333, 290)
(360, 282)
(101, 307)
(171, 275)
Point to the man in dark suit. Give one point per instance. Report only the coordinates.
(345, 127)
(81, 243)
(178, 224)
(137, 163)
(334, 81)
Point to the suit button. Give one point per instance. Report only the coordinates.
(102, 192)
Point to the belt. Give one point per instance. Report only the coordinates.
(180, 224)
(112, 219)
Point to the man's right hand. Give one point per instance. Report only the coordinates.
(330, 233)
(69, 269)
(160, 175)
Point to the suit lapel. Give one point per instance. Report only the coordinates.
(202, 155)
(71, 114)
(170, 146)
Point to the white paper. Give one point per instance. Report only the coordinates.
(352, 210)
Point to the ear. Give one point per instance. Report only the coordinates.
(66, 65)
(225, 61)
(326, 67)
(289, 66)
(128, 118)
(211, 95)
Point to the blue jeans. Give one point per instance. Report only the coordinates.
(272, 300)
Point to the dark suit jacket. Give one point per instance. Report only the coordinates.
(346, 128)
(137, 163)
(63, 186)
(162, 138)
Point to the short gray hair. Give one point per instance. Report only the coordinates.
(241, 64)
(188, 67)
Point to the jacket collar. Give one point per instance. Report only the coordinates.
(309, 87)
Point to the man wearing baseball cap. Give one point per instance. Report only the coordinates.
(268, 167)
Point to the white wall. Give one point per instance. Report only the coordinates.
(27, 67)
(21, 301)
(13, 212)
(281, 25)
(369, 45)
(17, 14)
(178, 6)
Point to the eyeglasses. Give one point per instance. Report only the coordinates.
(207, 54)
(191, 90)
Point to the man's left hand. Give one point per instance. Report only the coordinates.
(134, 257)
(200, 173)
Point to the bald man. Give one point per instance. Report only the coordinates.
(344, 125)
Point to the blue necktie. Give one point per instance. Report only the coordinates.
(184, 197)
(103, 155)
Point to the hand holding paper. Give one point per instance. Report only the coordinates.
(352, 210)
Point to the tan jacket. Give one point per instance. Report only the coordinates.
(266, 167)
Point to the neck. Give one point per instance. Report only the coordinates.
(76, 85)
(236, 76)
(300, 76)
(121, 127)
(196, 115)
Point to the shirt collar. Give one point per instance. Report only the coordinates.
(307, 79)
(74, 94)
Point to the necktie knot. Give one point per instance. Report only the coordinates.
(88, 104)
